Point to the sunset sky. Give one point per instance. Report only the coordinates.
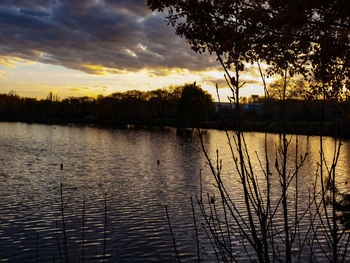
(91, 47)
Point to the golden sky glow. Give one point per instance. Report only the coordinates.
(35, 79)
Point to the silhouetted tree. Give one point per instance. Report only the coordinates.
(194, 105)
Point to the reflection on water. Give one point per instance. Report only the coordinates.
(122, 163)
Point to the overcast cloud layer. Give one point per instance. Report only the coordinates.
(116, 34)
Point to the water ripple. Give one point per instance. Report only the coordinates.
(123, 164)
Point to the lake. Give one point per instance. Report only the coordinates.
(123, 163)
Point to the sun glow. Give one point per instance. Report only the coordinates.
(35, 79)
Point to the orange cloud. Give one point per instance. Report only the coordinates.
(100, 70)
(8, 62)
(2, 74)
(12, 62)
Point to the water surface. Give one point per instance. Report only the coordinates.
(123, 164)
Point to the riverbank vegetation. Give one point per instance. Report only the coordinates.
(184, 106)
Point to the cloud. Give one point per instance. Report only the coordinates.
(110, 36)
(12, 62)
(77, 89)
(221, 82)
(2, 74)
(8, 62)
(253, 71)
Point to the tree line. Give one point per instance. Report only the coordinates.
(187, 104)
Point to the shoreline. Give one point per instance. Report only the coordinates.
(301, 128)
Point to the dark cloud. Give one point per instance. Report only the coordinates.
(252, 71)
(120, 35)
(29, 4)
(221, 82)
(138, 7)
